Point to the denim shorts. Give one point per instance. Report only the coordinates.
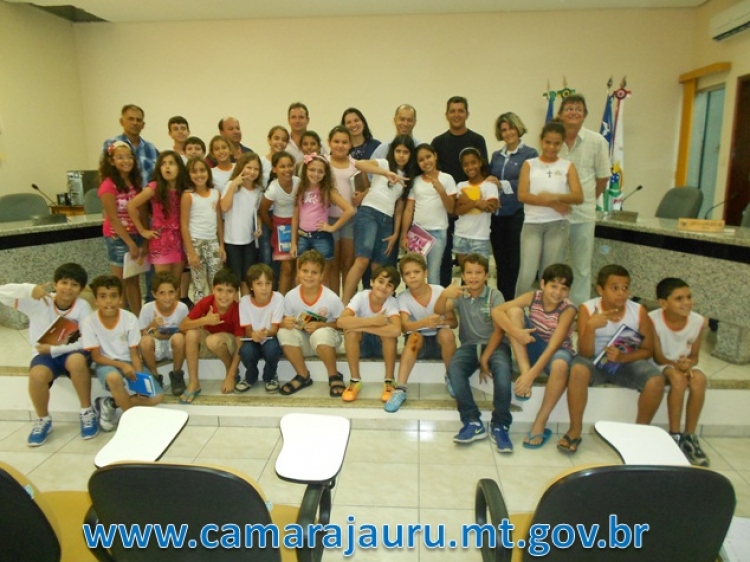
(371, 227)
(56, 364)
(430, 347)
(633, 375)
(346, 232)
(116, 248)
(321, 241)
(538, 346)
(470, 246)
(371, 347)
(103, 370)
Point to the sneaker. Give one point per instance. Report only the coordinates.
(105, 408)
(351, 392)
(177, 380)
(388, 387)
(677, 437)
(471, 431)
(449, 385)
(160, 379)
(501, 439)
(242, 387)
(42, 428)
(397, 398)
(89, 424)
(692, 449)
(272, 386)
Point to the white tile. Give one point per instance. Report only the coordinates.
(450, 486)
(64, 471)
(381, 484)
(439, 448)
(522, 486)
(736, 451)
(249, 467)
(352, 517)
(61, 434)
(8, 427)
(451, 521)
(90, 446)
(190, 442)
(241, 442)
(24, 462)
(279, 491)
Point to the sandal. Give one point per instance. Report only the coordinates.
(242, 387)
(568, 444)
(544, 437)
(295, 385)
(336, 385)
(188, 397)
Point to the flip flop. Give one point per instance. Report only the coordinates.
(521, 398)
(189, 397)
(569, 445)
(544, 436)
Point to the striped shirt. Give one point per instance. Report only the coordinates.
(546, 322)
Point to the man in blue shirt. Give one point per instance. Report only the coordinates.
(132, 121)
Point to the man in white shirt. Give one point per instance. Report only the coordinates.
(405, 120)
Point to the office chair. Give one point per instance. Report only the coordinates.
(40, 526)
(92, 204)
(688, 511)
(21, 206)
(157, 493)
(680, 203)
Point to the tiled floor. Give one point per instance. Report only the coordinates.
(388, 476)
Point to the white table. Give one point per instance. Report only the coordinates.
(314, 448)
(641, 444)
(143, 435)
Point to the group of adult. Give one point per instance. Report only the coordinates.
(587, 149)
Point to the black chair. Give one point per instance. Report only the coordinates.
(40, 526)
(688, 511)
(92, 204)
(745, 222)
(680, 203)
(22, 206)
(163, 494)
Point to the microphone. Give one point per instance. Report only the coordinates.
(35, 186)
(629, 195)
(727, 200)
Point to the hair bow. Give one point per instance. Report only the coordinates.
(310, 157)
(115, 145)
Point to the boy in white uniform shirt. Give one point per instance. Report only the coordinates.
(50, 361)
(372, 324)
(159, 321)
(112, 336)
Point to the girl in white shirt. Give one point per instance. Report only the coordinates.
(548, 186)
(431, 199)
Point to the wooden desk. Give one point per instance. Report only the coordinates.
(67, 210)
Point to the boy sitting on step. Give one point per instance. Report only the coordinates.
(371, 323)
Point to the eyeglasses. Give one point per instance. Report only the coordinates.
(573, 109)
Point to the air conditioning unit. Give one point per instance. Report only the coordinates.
(730, 22)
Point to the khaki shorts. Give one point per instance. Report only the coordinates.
(224, 338)
(309, 342)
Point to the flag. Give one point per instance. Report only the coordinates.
(617, 144)
(550, 106)
(608, 123)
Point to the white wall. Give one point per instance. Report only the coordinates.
(41, 118)
(253, 69)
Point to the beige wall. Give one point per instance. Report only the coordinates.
(41, 118)
(253, 69)
(735, 50)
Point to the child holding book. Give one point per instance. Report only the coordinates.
(111, 335)
(428, 335)
(44, 305)
(615, 343)
(159, 322)
(677, 347)
(212, 329)
(261, 313)
(541, 342)
(309, 325)
(482, 347)
(372, 324)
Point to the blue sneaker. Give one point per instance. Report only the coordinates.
(501, 439)
(471, 431)
(397, 398)
(39, 432)
(449, 386)
(89, 424)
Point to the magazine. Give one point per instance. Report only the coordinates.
(284, 232)
(626, 340)
(132, 267)
(305, 317)
(61, 331)
(419, 240)
(144, 384)
(357, 182)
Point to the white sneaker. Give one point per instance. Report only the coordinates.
(105, 409)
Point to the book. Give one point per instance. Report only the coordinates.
(132, 267)
(284, 232)
(419, 240)
(144, 384)
(61, 331)
(473, 192)
(357, 181)
(626, 340)
(305, 317)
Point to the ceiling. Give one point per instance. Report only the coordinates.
(121, 11)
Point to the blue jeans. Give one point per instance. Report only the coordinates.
(435, 256)
(465, 361)
(370, 228)
(251, 352)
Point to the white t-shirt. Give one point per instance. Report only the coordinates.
(221, 178)
(283, 202)
(327, 304)
(115, 343)
(171, 321)
(42, 313)
(261, 317)
(382, 194)
(552, 178)
(202, 222)
(267, 166)
(475, 224)
(676, 344)
(602, 336)
(361, 306)
(241, 220)
(429, 211)
(416, 311)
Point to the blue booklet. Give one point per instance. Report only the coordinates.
(144, 384)
(168, 330)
